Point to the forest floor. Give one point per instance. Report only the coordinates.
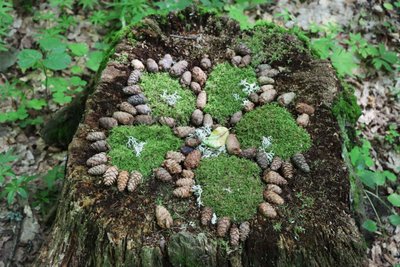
(24, 225)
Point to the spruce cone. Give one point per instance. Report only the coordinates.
(134, 77)
(274, 178)
(262, 159)
(205, 63)
(185, 182)
(166, 62)
(199, 76)
(267, 210)
(236, 117)
(274, 188)
(170, 122)
(97, 159)
(143, 119)
(137, 64)
(134, 180)
(195, 87)
(300, 162)
(172, 166)
(276, 163)
(186, 78)
(206, 215)
(273, 197)
(223, 226)
(248, 106)
(98, 169)
(192, 142)
(151, 65)
(138, 99)
(164, 219)
(143, 109)
(244, 230)
(184, 131)
(132, 90)
(176, 156)
(249, 153)
(110, 176)
(187, 174)
(305, 108)
(128, 108)
(233, 145)
(182, 192)
(208, 120)
(178, 68)
(197, 117)
(107, 122)
(95, 136)
(193, 159)
(162, 174)
(123, 117)
(123, 178)
(287, 170)
(201, 100)
(100, 146)
(234, 235)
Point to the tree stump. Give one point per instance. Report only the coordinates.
(100, 225)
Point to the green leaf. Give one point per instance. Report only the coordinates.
(389, 175)
(77, 81)
(217, 137)
(394, 199)
(237, 13)
(78, 49)
(10, 197)
(370, 225)
(52, 44)
(344, 62)
(367, 177)
(95, 59)
(57, 61)
(388, 6)
(22, 192)
(76, 70)
(61, 98)
(36, 104)
(27, 58)
(394, 219)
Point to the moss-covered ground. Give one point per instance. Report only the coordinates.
(159, 140)
(222, 85)
(231, 186)
(275, 121)
(155, 84)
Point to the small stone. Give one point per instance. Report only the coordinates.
(196, 88)
(170, 122)
(208, 120)
(236, 117)
(286, 98)
(186, 150)
(205, 63)
(268, 73)
(229, 53)
(95, 136)
(303, 120)
(143, 119)
(197, 117)
(132, 89)
(143, 109)
(263, 80)
(192, 159)
(242, 49)
(266, 88)
(267, 96)
(305, 108)
(138, 99)
(249, 153)
(166, 62)
(233, 145)
(246, 60)
(192, 142)
(179, 68)
(236, 60)
(186, 78)
(254, 97)
(137, 65)
(107, 122)
(126, 107)
(184, 131)
(248, 106)
(123, 117)
(199, 75)
(151, 65)
(134, 77)
(201, 100)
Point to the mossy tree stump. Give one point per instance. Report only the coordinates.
(97, 225)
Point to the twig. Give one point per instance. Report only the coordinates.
(373, 207)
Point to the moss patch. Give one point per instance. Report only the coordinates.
(346, 105)
(155, 84)
(272, 120)
(159, 140)
(231, 186)
(222, 85)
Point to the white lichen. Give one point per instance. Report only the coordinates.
(208, 152)
(249, 88)
(245, 102)
(135, 145)
(201, 133)
(266, 144)
(237, 97)
(214, 219)
(170, 99)
(197, 190)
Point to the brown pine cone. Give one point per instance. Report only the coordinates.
(273, 197)
(223, 226)
(206, 215)
(164, 218)
(201, 100)
(274, 188)
(110, 176)
(300, 162)
(170, 122)
(172, 166)
(262, 159)
(244, 230)
(187, 174)
(134, 180)
(233, 145)
(192, 159)
(287, 170)
(192, 142)
(184, 131)
(305, 108)
(123, 117)
(271, 177)
(267, 210)
(185, 182)
(98, 169)
(95, 136)
(126, 107)
(276, 163)
(182, 192)
(100, 146)
(134, 77)
(249, 153)
(162, 174)
(108, 122)
(234, 235)
(97, 159)
(176, 156)
(123, 178)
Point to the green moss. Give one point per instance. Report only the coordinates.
(346, 105)
(221, 85)
(153, 86)
(275, 121)
(159, 140)
(231, 186)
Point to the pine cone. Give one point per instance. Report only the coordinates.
(267, 210)
(134, 77)
(223, 226)
(249, 153)
(287, 170)
(178, 68)
(123, 117)
(274, 188)
(97, 159)
(208, 120)
(248, 106)
(128, 108)
(100, 146)
(123, 178)
(244, 230)
(170, 122)
(107, 122)
(199, 75)
(162, 175)
(187, 174)
(305, 108)
(185, 182)
(110, 176)
(151, 65)
(176, 156)
(164, 218)
(172, 166)
(195, 87)
(233, 145)
(206, 215)
(138, 99)
(186, 78)
(192, 159)
(192, 142)
(276, 163)
(98, 169)
(201, 100)
(132, 90)
(137, 65)
(143, 109)
(134, 180)
(205, 63)
(236, 117)
(182, 192)
(273, 197)
(262, 159)
(184, 131)
(166, 62)
(300, 162)
(274, 178)
(95, 136)
(143, 119)
(234, 235)
(197, 117)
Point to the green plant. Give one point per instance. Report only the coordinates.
(6, 20)
(277, 227)
(346, 106)
(17, 186)
(392, 135)
(231, 186)
(6, 159)
(274, 121)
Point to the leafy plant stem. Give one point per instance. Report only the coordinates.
(373, 207)
(378, 198)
